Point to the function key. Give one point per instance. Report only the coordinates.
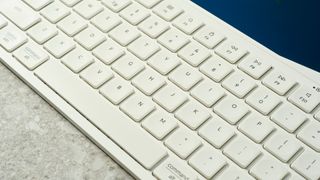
(167, 10)
(254, 66)
(208, 37)
(305, 98)
(230, 51)
(187, 23)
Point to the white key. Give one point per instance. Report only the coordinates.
(159, 124)
(282, 146)
(128, 66)
(55, 11)
(19, 13)
(317, 116)
(171, 166)
(305, 98)
(242, 151)
(234, 173)
(310, 134)
(148, 81)
(124, 34)
(194, 53)
(143, 47)
(70, 3)
(256, 127)
(164, 61)
(137, 106)
(88, 9)
(96, 74)
(78, 59)
(263, 100)
(173, 40)
(216, 68)
(153, 26)
(239, 84)
(207, 161)
(167, 10)
(59, 45)
(230, 51)
(278, 82)
(31, 55)
(268, 168)
(72, 24)
(116, 90)
(116, 5)
(192, 114)
(108, 51)
(231, 104)
(185, 77)
(3, 22)
(42, 32)
(187, 23)
(216, 132)
(207, 92)
(148, 3)
(38, 4)
(134, 13)
(308, 164)
(182, 142)
(11, 38)
(254, 66)
(102, 114)
(288, 117)
(170, 98)
(208, 37)
(106, 20)
(90, 38)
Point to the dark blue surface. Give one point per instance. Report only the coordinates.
(290, 28)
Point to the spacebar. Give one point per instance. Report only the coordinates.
(102, 113)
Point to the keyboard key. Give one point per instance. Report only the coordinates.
(143, 47)
(70, 3)
(38, 4)
(42, 32)
(310, 134)
(164, 61)
(208, 37)
(288, 117)
(185, 77)
(90, 38)
(234, 173)
(282, 146)
(116, 90)
(192, 114)
(106, 20)
(216, 68)
(11, 38)
(72, 24)
(254, 66)
(148, 3)
(88, 9)
(305, 98)
(268, 168)
(31, 55)
(167, 10)
(263, 100)
(241, 151)
(108, 52)
(207, 92)
(96, 74)
(116, 5)
(187, 23)
(170, 98)
(256, 127)
(134, 13)
(128, 66)
(78, 59)
(308, 164)
(59, 45)
(137, 106)
(230, 104)
(124, 34)
(159, 124)
(230, 51)
(148, 81)
(182, 142)
(216, 132)
(100, 112)
(194, 54)
(55, 11)
(207, 161)
(239, 84)
(20, 14)
(278, 82)
(173, 40)
(153, 26)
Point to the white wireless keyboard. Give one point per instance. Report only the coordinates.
(166, 89)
